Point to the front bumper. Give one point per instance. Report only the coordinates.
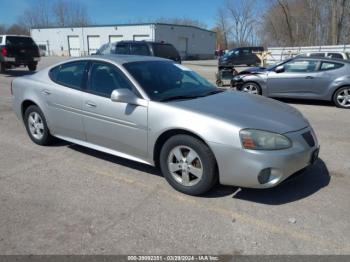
(237, 84)
(241, 167)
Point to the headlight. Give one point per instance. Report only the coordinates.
(263, 140)
(238, 77)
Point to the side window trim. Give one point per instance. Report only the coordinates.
(83, 82)
(88, 80)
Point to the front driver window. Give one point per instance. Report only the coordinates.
(105, 78)
(301, 66)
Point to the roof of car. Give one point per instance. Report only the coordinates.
(322, 58)
(122, 59)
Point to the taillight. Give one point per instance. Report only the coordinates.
(4, 51)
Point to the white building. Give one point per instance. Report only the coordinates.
(190, 41)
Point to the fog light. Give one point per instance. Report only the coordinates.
(264, 176)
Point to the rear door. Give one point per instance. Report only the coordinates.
(298, 79)
(21, 47)
(64, 99)
(117, 126)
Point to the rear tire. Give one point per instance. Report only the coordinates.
(36, 126)
(32, 67)
(2, 68)
(188, 165)
(341, 97)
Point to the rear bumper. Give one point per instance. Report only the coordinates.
(14, 60)
(240, 167)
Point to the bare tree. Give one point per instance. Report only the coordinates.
(242, 19)
(222, 28)
(70, 13)
(38, 15)
(181, 21)
(17, 29)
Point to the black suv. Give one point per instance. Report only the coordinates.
(240, 56)
(18, 50)
(159, 49)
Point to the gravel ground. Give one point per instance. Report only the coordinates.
(66, 199)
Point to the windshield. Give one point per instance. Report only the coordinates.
(231, 52)
(163, 80)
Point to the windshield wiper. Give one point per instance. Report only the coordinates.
(178, 98)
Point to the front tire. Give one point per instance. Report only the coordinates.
(36, 126)
(188, 165)
(251, 88)
(341, 97)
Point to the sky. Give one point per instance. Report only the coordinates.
(128, 11)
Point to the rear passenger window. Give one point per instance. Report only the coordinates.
(122, 49)
(317, 55)
(335, 55)
(330, 66)
(70, 74)
(140, 49)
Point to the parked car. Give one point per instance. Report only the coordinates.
(240, 56)
(158, 112)
(145, 48)
(18, 50)
(333, 55)
(304, 78)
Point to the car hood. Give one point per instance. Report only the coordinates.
(247, 111)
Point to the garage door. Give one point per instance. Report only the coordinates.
(141, 37)
(74, 45)
(93, 44)
(183, 46)
(115, 38)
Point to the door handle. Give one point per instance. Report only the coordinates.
(46, 92)
(309, 77)
(90, 104)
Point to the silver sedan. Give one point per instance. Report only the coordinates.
(156, 112)
(302, 77)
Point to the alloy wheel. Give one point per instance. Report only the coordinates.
(251, 89)
(36, 125)
(185, 165)
(343, 98)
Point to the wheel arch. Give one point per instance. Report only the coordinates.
(25, 104)
(335, 90)
(170, 133)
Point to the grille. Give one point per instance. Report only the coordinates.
(309, 138)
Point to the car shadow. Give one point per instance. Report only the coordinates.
(297, 187)
(17, 73)
(116, 160)
(306, 102)
(216, 192)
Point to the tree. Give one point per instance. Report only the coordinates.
(222, 28)
(70, 13)
(181, 21)
(38, 15)
(17, 29)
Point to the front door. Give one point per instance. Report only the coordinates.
(298, 79)
(117, 126)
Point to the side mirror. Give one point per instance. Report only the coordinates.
(279, 69)
(124, 95)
